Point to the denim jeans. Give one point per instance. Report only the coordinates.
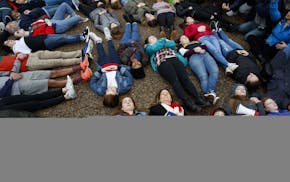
(213, 46)
(206, 69)
(61, 23)
(227, 44)
(57, 2)
(55, 40)
(251, 28)
(131, 35)
(113, 56)
(50, 10)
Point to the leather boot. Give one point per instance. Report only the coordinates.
(173, 34)
(191, 106)
(162, 32)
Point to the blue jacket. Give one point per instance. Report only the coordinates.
(124, 80)
(160, 44)
(280, 113)
(279, 33)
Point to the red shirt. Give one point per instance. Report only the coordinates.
(191, 31)
(7, 62)
(39, 27)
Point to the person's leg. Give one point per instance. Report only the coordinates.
(247, 27)
(57, 54)
(55, 40)
(256, 32)
(62, 72)
(64, 25)
(50, 10)
(113, 54)
(127, 34)
(102, 56)
(213, 47)
(170, 17)
(161, 18)
(62, 10)
(85, 9)
(58, 2)
(135, 33)
(230, 42)
(213, 72)
(197, 66)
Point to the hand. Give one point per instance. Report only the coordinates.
(190, 7)
(26, 12)
(243, 52)
(281, 45)
(15, 76)
(226, 6)
(201, 28)
(20, 56)
(48, 22)
(197, 49)
(255, 100)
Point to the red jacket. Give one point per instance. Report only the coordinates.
(191, 31)
(7, 63)
(39, 27)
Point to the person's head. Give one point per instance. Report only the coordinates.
(184, 39)
(164, 96)
(253, 81)
(9, 43)
(15, 14)
(150, 19)
(19, 33)
(189, 20)
(127, 105)
(288, 16)
(115, 4)
(137, 69)
(100, 4)
(151, 40)
(219, 112)
(111, 98)
(115, 30)
(239, 90)
(12, 27)
(270, 105)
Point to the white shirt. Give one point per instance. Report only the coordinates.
(111, 79)
(20, 46)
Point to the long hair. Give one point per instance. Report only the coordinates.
(119, 110)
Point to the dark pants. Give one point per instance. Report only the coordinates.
(260, 47)
(32, 102)
(174, 72)
(113, 56)
(86, 9)
(166, 19)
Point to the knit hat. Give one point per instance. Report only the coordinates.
(138, 73)
(235, 86)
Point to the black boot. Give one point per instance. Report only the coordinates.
(190, 106)
(200, 101)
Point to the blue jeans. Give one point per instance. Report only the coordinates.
(50, 10)
(251, 28)
(206, 69)
(123, 2)
(131, 35)
(227, 44)
(113, 56)
(57, 2)
(55, 40)
(62, 24)
(213, 46)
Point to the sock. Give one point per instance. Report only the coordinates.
(76, 68)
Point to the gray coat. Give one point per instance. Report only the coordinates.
(103, 20)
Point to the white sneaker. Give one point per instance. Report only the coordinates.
(70, 91)
(228, 71)
(76, 4)
(215, 100)
(83, 19)
(2, 26)
(233, 66)
(95, 38)
(107, 33)
(231, 13)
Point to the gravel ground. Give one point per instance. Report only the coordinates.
(88, 104)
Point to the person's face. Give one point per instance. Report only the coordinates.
(152, 39)
(270, 105)
(219, 113)
(9, 43)
(184, 39)
(165, 97)
(189, 20)
(111, 91)
(149, 17)
(288, 16)
(128, 104)
(19, 33)
(252, 78)
(136, 64)
(12, 27)
(20, 1)
(240, 91)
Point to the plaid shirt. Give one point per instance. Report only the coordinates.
(163, 54)
(129, 49)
